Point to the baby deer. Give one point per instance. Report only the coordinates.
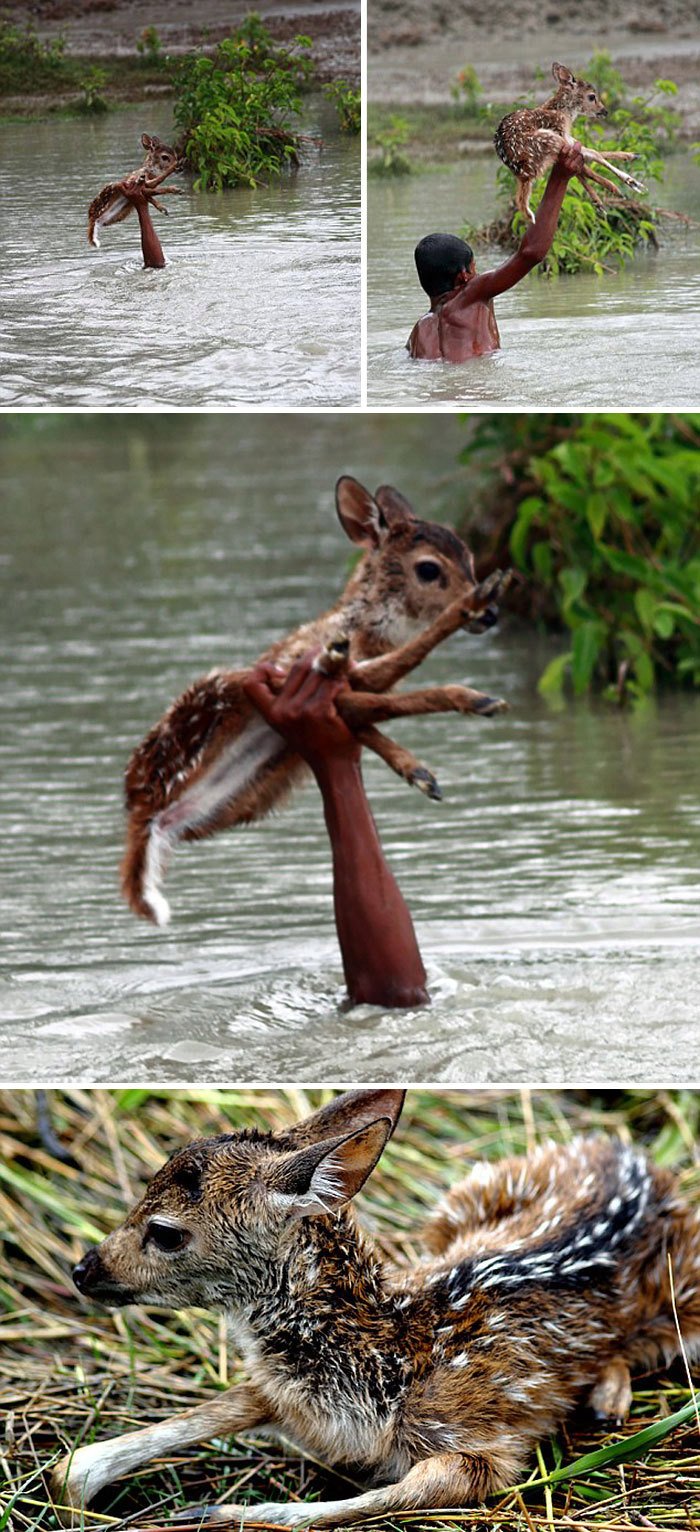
(112, 205)
(529, 140)
(212, 762)
(547, 1280)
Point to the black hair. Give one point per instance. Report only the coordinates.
(439, 259)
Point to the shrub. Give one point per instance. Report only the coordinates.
(612, 533)
(26, 63)
(348, 104)
(389, 142)
(92, 83)
(237, 109)
(467, 92)
(150, 48)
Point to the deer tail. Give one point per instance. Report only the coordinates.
(143, 867)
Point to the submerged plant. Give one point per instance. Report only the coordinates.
(348, 104)
(389, 141)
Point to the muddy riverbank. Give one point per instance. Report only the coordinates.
(105, 33)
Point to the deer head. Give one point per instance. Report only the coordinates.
(412, 569)
(576, 97)
(218, 1219)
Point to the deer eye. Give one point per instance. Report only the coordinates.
(591, 96)
(427, 571)
(166, 1237)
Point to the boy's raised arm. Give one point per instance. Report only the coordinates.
(536, 240)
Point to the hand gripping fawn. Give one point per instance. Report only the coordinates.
(546, 1281)
(529, 140)
(112, 204)
(212, 762)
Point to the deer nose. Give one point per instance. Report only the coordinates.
(88, 1271)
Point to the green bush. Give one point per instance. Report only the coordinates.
(150, 48)
(236, 110)
(348, 104)
(92, 83)
(26, 63)
(612, 533)
(466, 92)
(589, 238)
(389, 141)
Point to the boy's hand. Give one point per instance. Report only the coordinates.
(301, 707)
(570, 161)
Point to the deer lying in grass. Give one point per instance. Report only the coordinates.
(547, 1280)
(112, 204)
(529, 140)
(212, 762)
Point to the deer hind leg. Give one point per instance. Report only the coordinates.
(447, 1479)
(379, 674)
(592, 175)
(522, 199)
(83, 1473)
(611, 1398)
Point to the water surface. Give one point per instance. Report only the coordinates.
(555, 890)
(259, 302)
(625, 340)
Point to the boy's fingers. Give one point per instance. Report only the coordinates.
(299, 672)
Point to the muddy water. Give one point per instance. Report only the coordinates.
(259, 302)
(555, 890)
(624, 340)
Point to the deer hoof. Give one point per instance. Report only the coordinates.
(488, 707)
(427, 783)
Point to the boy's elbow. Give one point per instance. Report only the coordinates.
(533, 248)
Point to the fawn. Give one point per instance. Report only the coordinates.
(111, 205)
(529, 140)
(547, 1279)
(212, 762)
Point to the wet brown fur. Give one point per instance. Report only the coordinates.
(546, 1280)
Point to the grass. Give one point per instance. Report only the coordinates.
(69, 1374)
(435, 132)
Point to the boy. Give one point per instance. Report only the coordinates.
(461, 322)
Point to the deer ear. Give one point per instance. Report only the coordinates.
(146, 141)
(394, 505)
(358, 513)
(346, 1113)
(322, 1177)
(563, 75)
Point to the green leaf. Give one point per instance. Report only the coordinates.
(551, 682)
(587, 644)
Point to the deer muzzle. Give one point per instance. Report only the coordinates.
(93, 1281)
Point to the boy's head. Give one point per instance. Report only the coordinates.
(440, 260)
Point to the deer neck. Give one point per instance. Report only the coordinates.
(565, 109)
(328, 1331)
(376, 622)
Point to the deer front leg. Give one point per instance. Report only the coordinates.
(359, 708)
(380, 674)
(599, 159)
(448, 1479)
(80, 1475)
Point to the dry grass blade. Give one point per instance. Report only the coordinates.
(68, 1372)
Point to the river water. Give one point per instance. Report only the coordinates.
(259, 302)
(555, 890)
(625, 340)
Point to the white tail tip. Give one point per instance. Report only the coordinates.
(159, 906)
